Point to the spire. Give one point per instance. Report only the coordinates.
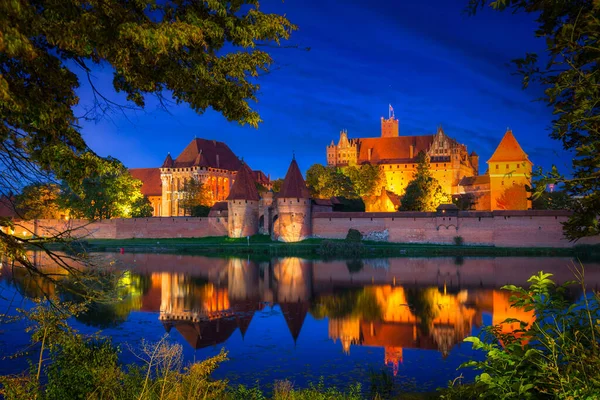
(293, 185)
(244, 187)
(508, 149)
(168, 163)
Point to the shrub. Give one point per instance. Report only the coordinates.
(353, 235)
(458, 240)
(556, 356)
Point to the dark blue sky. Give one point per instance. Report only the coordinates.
(434, 64)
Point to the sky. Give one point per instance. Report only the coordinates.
(434, 64)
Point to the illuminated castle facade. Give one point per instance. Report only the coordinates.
(457, 171)
(208, 161)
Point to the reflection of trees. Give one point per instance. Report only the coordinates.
(422, 306)
(127, 292)
(359, 303)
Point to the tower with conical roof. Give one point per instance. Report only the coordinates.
(242, 205)
(293, 222)
(509, 171)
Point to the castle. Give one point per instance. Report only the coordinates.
(457, 171)
(208, 161)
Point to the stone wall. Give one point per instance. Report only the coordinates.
(498, 228)
(164, 227)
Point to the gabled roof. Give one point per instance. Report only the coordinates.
(293, 185)
(474, 180)
(244, 187)
(392, 148)
(208, 153)
(260, 177)
(168, 163)
(150, 177)
(508, 150)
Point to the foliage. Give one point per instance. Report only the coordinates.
(424, 192)
(152, 48)
(200, 211)
(193, 194)
(326, 182)
(284, 390)
(513, 197)
(110, 193)
(356, 303)
(355, 265)
(353, 235)
(556, 356)
(570, 77)
(328, 248)
(277, 185)
(458, 240)
(465, 201)
(141, 208)
(366, 180)
(39, 201)
(349, 205)
(556, 200)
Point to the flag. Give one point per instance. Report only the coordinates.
(391, 109)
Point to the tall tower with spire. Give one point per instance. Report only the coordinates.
(293, 222)
(242, 205)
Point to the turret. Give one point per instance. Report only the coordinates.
(242, 205)
(390, 127)
(293, 222)
(474, 158)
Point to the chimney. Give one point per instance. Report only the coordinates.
(412, 151)
(370, 153)
(218, 161)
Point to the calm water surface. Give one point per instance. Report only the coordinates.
(296, 319)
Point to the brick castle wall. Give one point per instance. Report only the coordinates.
(497, 228)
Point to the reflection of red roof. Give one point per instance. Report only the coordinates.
(392, 148)
(508, 150)
(244, 187)
(294, 314)
(204, 333)
(208, 153)
(383, 334)
(150, 178)
(293, 185)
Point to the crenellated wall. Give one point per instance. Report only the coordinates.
(159, 228)
(498, 228)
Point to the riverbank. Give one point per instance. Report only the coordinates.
(263, 245)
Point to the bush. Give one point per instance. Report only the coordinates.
(353, 235)
(556, 356)
(458, 240)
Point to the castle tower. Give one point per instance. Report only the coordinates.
(390, 127)
(293, 222)
(242, 205)
(474, 158)
(166, 177)
(509, 170)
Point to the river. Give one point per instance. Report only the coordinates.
(298, 319)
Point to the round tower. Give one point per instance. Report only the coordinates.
(242, 205)
(293, 203)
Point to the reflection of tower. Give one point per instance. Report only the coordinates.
(503, 310)
(393, 357)
(242, 279)
(347, 330)
(294, 279)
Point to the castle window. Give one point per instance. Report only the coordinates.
(497, 166)
(506, 166)
(518, 166)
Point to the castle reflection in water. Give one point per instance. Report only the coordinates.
(394, 304)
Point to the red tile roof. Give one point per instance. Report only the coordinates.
(475, 180)
(260, 177)
(293, 185)
(150, 177)
(168, 163)
(208, 153)
(244, 187)
(391, 149)
(508, 150)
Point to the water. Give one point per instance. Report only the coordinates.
(297, 319)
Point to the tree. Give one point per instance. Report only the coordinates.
(39, 201)
(110, 193)
(326, 182)
(366, 180)
(571, 79)
(204, 53)
(465, 201)
(424, 192)
(514, 197)
(277, 185)
(194, 195)
(141, 208)
(556, 200)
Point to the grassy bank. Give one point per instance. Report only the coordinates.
(263, 245)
